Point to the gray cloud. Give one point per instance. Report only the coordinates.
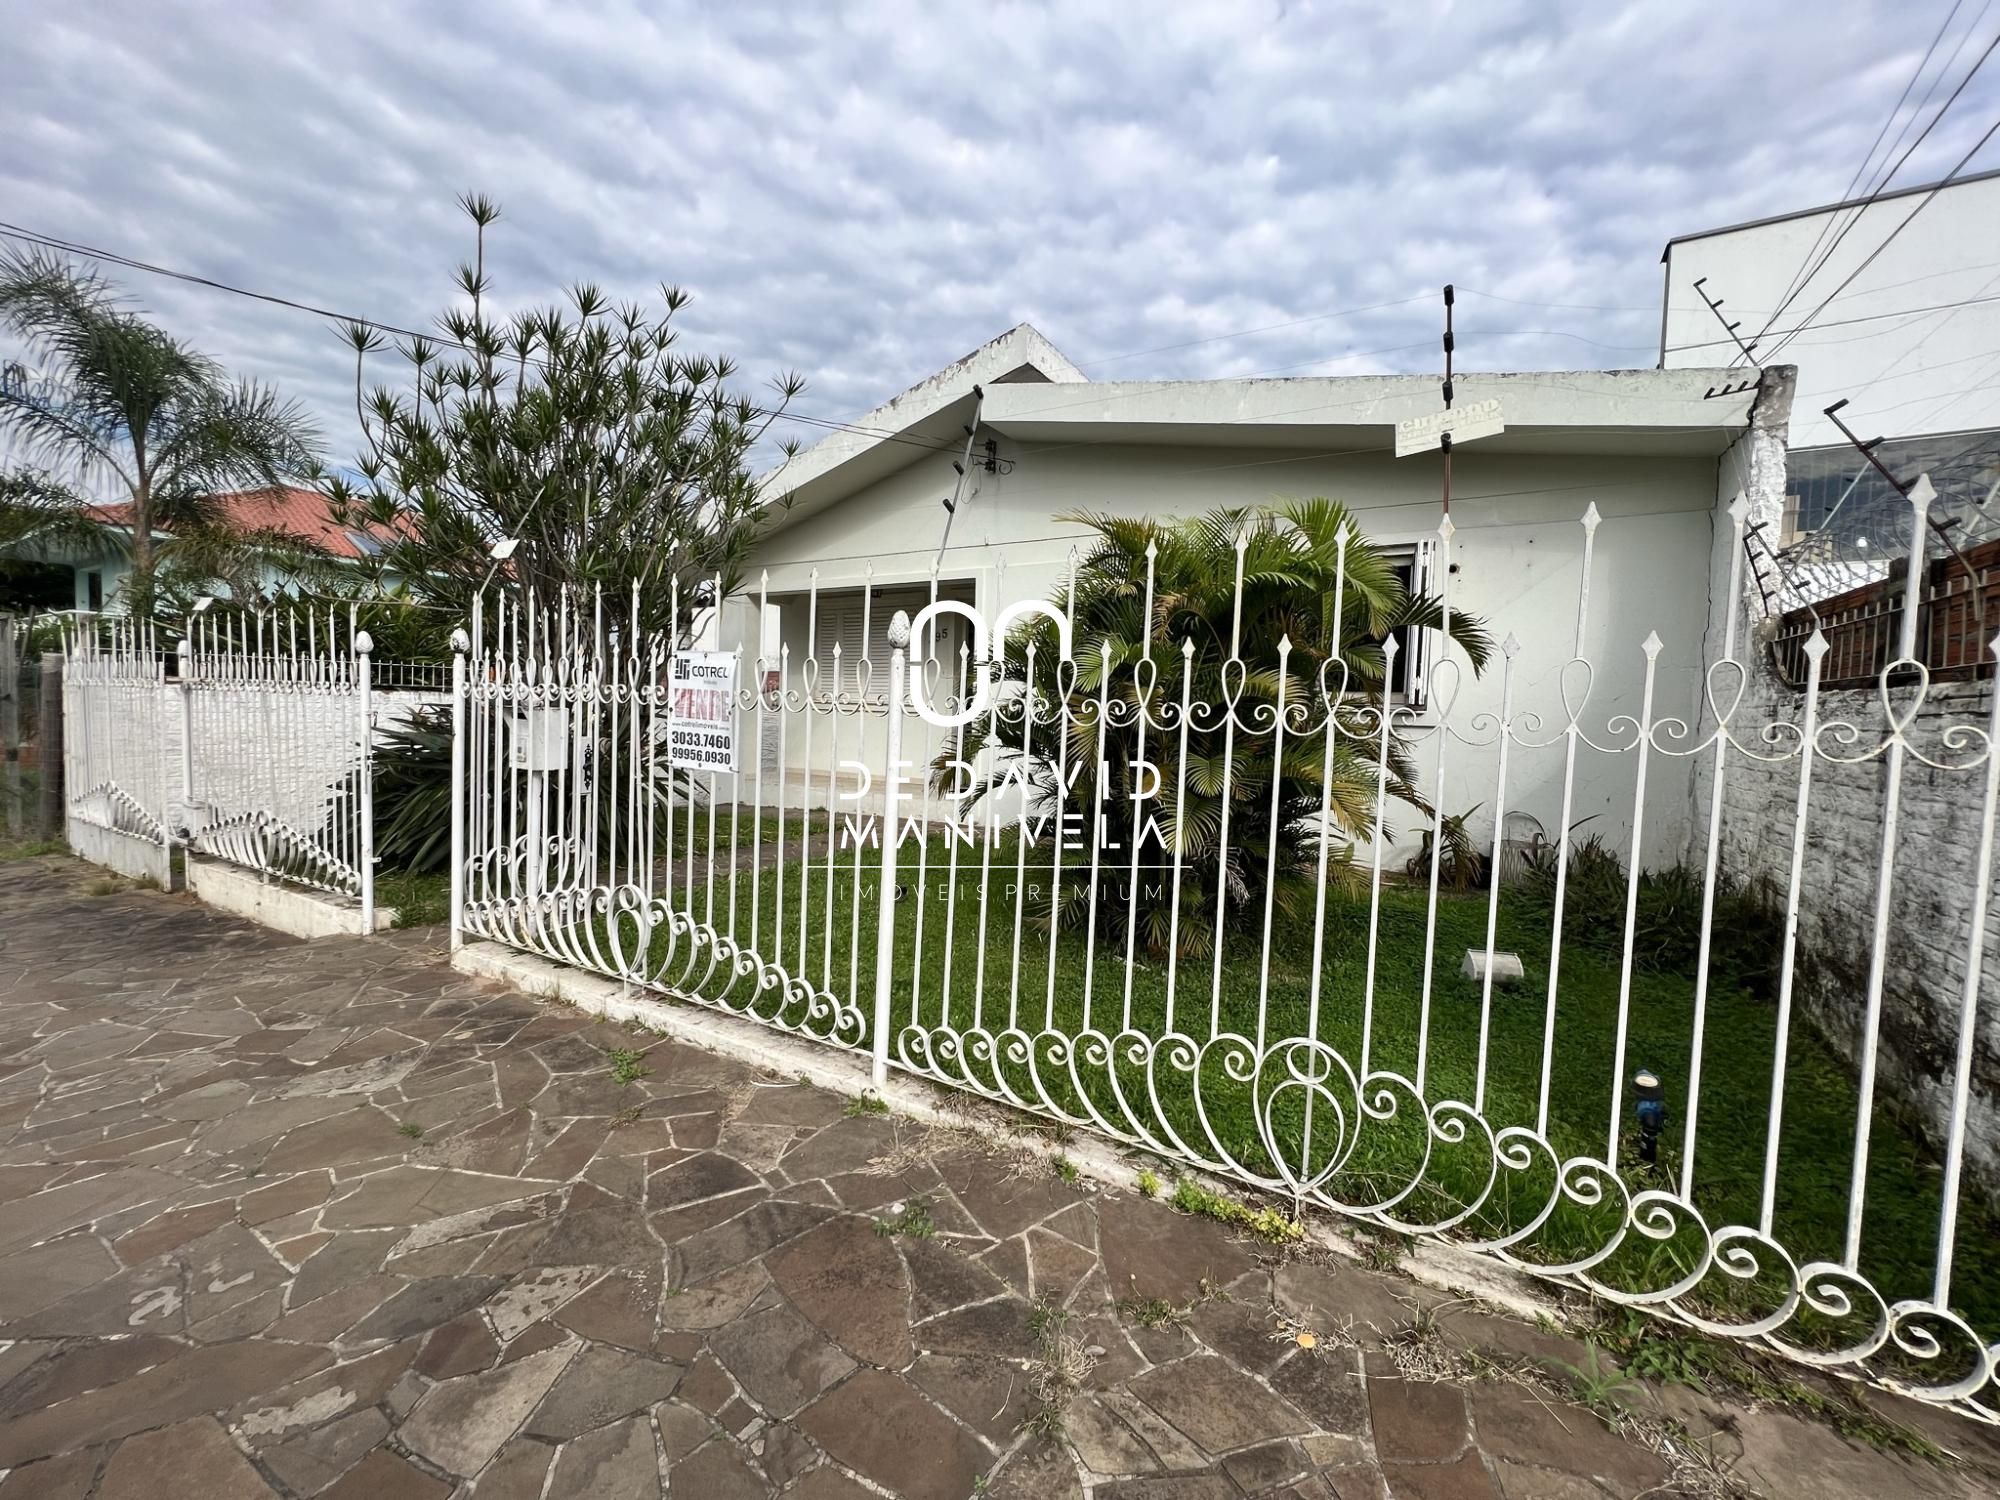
(865, 192)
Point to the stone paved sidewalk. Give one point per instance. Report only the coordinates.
(328, 1219)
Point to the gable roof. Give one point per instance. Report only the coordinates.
(293, 511)
(928, 416)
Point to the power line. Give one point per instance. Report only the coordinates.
(91, 252)
(1901, 312)
(1793, 286)
(1343, 312)
(1563, 306)
(1890, 239)
(1861, 208)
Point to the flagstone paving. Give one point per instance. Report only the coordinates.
(327, 1219)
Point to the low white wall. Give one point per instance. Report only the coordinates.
(137, 858)
(284, 908)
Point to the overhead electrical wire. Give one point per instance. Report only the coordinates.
(1875, 196)
(91, 252)
(1890, 238)
(828, 425)
(1795, 285)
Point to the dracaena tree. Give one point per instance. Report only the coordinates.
(584, 432)
(1294, 568)
(128, 412)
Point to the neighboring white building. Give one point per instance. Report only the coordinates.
(1912, 341)
(865, 510)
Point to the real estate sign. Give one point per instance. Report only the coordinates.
(701, 710)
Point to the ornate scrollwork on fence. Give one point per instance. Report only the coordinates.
(890, 868)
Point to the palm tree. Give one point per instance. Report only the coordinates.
(135, 408)
(1294, 566)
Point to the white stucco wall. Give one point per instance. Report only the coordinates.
(1897, 340)
(1518, 548)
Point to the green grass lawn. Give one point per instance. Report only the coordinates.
(950, 969)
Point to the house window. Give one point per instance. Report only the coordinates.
(838, 620)
(1414, 567)
(1836, 495)
(94, 585)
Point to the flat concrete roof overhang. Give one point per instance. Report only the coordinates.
(1662, 413)
(1646, 413)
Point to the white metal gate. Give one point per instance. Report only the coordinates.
(114, 753)
(276, 773)
(965, 869)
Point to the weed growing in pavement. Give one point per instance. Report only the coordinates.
(1604, 1389)
(1152, 1312)
(411, 1129)
(627, 1066)
(1057, 1371)
(912, 1220)
(865, 1104)
(1653, 1350)
(1268, 1224)
(1149, 1183)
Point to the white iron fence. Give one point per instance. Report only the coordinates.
(1146, 884)
(276, 774)
(114, 777)
(252, 742)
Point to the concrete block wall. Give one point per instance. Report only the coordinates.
(1931, 909)
(1931, 898)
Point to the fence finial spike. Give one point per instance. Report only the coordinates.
(1187, 647)
(1591, 518)
(1921, 493)
(1446, 530)
(1739, 508)
(1389, 650)
(461, 643)
(1816, 645)
(1652, 645)
(1511, 646)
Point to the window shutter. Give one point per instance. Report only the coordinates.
(1421, 644)
(840, 622)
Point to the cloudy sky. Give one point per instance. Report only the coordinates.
(863, 192)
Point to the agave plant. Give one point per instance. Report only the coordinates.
(1296, 560)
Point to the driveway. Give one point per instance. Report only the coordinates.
(283, 1218)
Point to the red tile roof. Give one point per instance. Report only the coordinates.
(296, 512)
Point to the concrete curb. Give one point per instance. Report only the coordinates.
(284, 908)
(1436, 1264)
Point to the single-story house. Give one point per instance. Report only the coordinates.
(864, 513)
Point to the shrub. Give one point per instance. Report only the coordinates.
(1666, 928)
(1294, 561)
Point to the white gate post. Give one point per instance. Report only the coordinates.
(364, 646)
(885, 916)
(185, 653)
(459, 644)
